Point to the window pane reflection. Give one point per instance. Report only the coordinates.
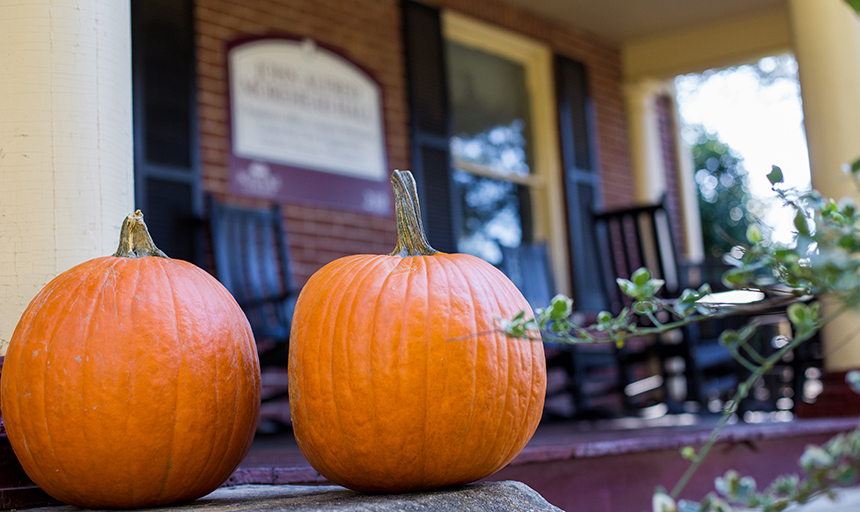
(492, 141)
(489, 110)
(491, 213)
(501, 148)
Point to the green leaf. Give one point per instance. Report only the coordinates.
(517, 331)
(786, 484)
(815, 458)
(815, 311)
(682, 309)
(652, 287)
(847, 475)
(627, 287)
(800, 224)
(729, 338)
(561, 307)
(662, 502)
(643, 307)
(855, 4)
(775, 175)
(727, 485)
(746, 488)
(641, 277)
(689, 295)
(688, 452)
(754, 235)
(798, 313)
(689, 506)
(736, 277)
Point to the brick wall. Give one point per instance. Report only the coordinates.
(666, 120)
(369, 33)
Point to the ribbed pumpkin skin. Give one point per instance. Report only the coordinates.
(131, 383)
(385, 396)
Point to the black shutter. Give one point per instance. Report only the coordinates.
(582, 182)
(429, 121)
(166, 163)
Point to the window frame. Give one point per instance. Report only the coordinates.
(545, 180)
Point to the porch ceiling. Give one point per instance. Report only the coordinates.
(622, 21)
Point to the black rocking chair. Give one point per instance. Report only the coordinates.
(252, 261)
(689, 364)
(582, 380)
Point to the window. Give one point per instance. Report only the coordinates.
(490, 149)
(504, 143)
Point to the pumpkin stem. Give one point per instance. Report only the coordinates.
(411, 240)
(134, 239)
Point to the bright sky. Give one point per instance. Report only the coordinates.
(761, 121)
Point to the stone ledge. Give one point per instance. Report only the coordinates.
(489, 497)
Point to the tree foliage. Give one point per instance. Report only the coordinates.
(724, 196)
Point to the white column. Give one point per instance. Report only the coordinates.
(66, 169)
(826, 37)
(694, 250)
(646, 155)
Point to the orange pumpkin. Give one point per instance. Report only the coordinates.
(131, 381)
(399, 377)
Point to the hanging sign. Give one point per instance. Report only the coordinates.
(306, 126)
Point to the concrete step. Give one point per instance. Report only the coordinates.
(486, 497)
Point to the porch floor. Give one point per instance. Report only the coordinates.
(608, 466)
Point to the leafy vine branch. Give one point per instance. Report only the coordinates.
(822, 261)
